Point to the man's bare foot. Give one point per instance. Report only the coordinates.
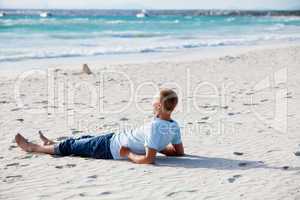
(24, 144)
(30, 147)
(45, 140)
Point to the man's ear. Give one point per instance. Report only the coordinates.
(160, 106)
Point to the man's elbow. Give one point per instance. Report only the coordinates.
(180, 153)
(179, 149)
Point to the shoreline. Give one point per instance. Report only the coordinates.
(189, 55)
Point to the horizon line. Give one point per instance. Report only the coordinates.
(155, 9)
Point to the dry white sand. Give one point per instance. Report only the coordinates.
(239, 117)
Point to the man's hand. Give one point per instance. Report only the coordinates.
(124, 151)
(139, 159)
(173, 150)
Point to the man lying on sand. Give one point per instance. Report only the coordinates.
(139, 145)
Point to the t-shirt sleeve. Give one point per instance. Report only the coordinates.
(152, 140)
(177, 137)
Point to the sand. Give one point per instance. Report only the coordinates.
(239, 116)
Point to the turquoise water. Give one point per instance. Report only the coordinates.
(24, 37)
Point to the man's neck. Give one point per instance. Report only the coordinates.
(164, 116)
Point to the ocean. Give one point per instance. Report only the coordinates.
(24, 35)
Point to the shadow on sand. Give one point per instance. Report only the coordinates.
(194, 161)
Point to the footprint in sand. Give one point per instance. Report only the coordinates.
(249, 93)
(264, 100)
(20, 120)
(70, 165)
(238, 153)
(12, 147)
(174, 193)
(67, 165)
(27, 156)
(74, 132)
(16, 176)
(15, 109)
(104, 193)
(124, 119)
(12, 164)
(82, 194)
(234, 178)
(232, 113)
(285, 167)
(231, 180)
(250, 104)
(289, 95)
(243, 164)
(297, 153)
(93, 176)
(11, 179)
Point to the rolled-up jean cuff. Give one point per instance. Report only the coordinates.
(56, 149)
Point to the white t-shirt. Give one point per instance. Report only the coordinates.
(155, 135)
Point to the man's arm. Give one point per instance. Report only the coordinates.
(173, 150)
(149, 158)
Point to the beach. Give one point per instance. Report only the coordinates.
(238, 113)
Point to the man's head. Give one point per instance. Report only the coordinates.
(165, 102)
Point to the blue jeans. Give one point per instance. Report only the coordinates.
(86, 146)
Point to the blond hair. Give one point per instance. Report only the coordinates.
(168, 99)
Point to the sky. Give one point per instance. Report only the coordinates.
(153, 4)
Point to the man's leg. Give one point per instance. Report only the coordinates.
(31, 147)
(86, 146)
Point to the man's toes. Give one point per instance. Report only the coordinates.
(41, 135)
(17, 137)
(22, 142)
(45, 140)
